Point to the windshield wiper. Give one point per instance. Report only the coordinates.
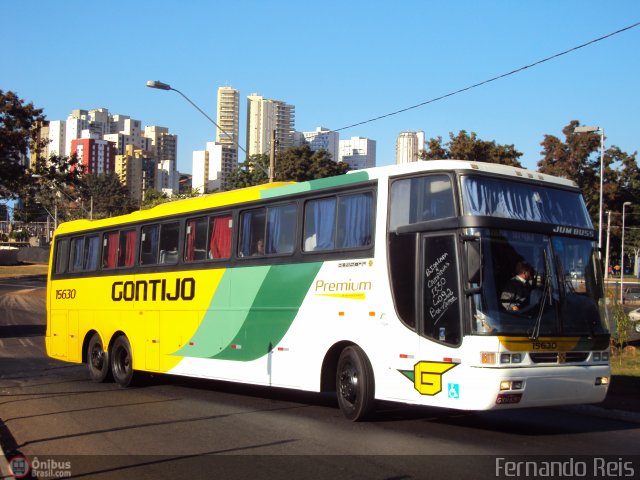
(535, 332)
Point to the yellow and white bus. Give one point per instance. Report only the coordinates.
(382, 284)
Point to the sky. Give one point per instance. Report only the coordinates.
(338, 62)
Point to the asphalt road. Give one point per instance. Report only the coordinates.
(63, 424)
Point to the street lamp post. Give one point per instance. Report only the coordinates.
(601, 130)
(157, 84)
(165, 86)
(622, 255)
(606, 258)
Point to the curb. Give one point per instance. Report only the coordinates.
(26, 277)
(612, 414)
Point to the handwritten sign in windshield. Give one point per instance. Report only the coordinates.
(441, 309)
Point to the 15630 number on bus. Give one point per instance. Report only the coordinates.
(66, 294)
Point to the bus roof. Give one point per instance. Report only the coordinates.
(277, 189)
(448, 165)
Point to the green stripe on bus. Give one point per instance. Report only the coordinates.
(316, 184)
(227, 311)
(272, 312)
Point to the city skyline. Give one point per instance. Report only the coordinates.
(345, 71)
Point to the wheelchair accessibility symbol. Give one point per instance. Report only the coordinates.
(454, 390)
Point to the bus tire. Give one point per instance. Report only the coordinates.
(355, 385)
(98, 360)
(122, 361)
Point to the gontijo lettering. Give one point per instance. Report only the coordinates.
(154, 290)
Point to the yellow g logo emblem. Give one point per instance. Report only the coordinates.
(427, 376)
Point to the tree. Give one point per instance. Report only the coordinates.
(109, 196)
(297, 164)
(17, 126)
(577, 158)
(153, 198)
(251, 172)
(300, 164)
(19, 136)
(469, 147)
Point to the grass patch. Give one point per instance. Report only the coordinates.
(627, 363)
(23, 269)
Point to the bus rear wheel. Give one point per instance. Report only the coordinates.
(355, 384)
(98, 360)
(122, 362)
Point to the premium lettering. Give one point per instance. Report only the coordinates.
(154, 290)
(350, 286)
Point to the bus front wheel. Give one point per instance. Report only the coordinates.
(355, 384)
(122, 362)
(97, 359)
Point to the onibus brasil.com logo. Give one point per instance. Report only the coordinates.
(49, 468)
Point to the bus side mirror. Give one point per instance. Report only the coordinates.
(474, 261)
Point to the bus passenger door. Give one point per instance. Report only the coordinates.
(440, 323)
(59, 333)
(176, 330)
(75, 355)
(441, 314)
(151, 322)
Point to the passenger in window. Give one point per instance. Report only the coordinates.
(259, 250)
(517, 292)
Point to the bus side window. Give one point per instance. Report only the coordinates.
(196, 239)
(62, 255)
(127, 248)
(77, 249)
(149, 244)
(354, 220)
(84, 254)
(420, 199)
(220, 237)
(319, 224)
(169, 237)
(252, 233)
(281, 229)
(110, 250)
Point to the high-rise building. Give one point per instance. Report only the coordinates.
(264, 116)
(155, 146)
(409, 147)
(200, 171)
(95, 156)
(57, 138)
(358, 152)
(163, 146)
(129, 168)
(323, 139)
(211, 167)
(228, 118)
(77, 121)
(227, 135)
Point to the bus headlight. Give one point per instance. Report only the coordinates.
(602, 380)
(511, 385)
(510, 358)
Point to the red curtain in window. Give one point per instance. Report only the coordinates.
(220, 244)
(111, 257)
(191, 241)
(130, 248)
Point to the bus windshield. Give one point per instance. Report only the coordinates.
(537, 285)
(486, 196)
